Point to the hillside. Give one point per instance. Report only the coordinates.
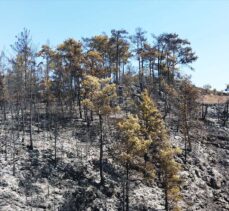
(110, 122)
(74, 183)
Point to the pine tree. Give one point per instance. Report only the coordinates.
(187, 111)
(139, 40)
(168, 97)
(100, 95)
(132, 148)
(46, 84)
(169, 175)
(94, 64)
(152, 123)
(4, 96)
(120, 54)
(24, 70)
(98, 56)
(161, 150)
(70, 59)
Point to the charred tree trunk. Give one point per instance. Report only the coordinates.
(127, 186)
(204, 111)
(166, 198)
(23, 124)
(31, 121)
(101, 150)
(55, 138)
(13, 138)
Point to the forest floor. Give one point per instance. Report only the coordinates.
(72, 183)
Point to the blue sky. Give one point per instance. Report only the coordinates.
(203, 22)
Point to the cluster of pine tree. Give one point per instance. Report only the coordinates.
(145, 143)
(94, 79)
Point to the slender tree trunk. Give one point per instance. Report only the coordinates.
(189, 142)
(204, 111)
(227, 112)
(159, 76)
(127, 186)
(38, 116)
(123, 70)
(47, 109)
(23, 124)
(123, 195)
(4, 111)
(14, 168)
(117, 62)
(91, 115)
(62, 106)
(5, 141)
(79, 103)
(55, 135)
(166, 198)
(5, 144)
(101, 150)
(185, 150)
(31, 120)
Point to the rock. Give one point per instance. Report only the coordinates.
(3, 183)
(76, 201)
(197, 173)
(74, 173)
(71, 155)
(201, 167)
(5, 195)
(184, 175)
(108, 190)
(216, 179)
(214, 183)
(202, 185)
(225, 162)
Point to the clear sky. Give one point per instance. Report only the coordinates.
(205, 23)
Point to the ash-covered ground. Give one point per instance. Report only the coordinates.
(72, 183)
